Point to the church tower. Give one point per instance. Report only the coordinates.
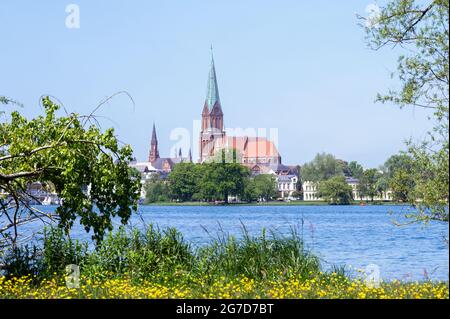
(212, 116)
(154, 152)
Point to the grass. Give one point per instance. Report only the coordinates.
(159, 264)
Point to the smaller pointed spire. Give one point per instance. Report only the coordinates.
(154, 152)
(190, 155)
(154, 138)
(180, 153)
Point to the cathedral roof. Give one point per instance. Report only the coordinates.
(144, 167)
(285, 178)
(163, 164)
(251, 146)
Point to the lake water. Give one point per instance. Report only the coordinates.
(355, 236)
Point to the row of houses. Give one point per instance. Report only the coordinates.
(287, 179)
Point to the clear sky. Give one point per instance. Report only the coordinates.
(299, 66)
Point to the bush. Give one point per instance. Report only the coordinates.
(139, 255)
(45, 261)
(258, 257)
(22, 261)
(59, 251)
(154, 253)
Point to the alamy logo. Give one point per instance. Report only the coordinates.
(372, 274)
(373, 15)
(73, 17)
(72, 276)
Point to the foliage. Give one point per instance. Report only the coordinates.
(22, 261)
(356, 169)
(156, 190)
(402, 185)
(263, 257)
(263, 187)
(59, 251)
(220, 180)
(431, 192)
(336, 191)
(159, 264)
(46, 261)
(139, 255)
(420, 29)
(397, 162)
(144, 254)
(321, 168)
(88, 169)
(399, 171)
(369, 184)
(183, 181)
(215, 180)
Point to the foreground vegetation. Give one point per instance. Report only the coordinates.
(160, 264)
(185, 286)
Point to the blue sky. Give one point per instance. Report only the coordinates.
(299, 66)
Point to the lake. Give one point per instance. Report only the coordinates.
(355, 236)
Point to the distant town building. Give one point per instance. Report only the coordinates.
(259, 154)
(287, 185)
(164, 165)
(310, 191)
(251, 151)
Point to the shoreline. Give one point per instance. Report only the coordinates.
(276, 203)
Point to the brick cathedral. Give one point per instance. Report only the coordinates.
(254, 152)
(257, 153)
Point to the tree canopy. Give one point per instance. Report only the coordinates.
(356, 170)
(184, 181)
(420, 30)
(261, 187)
(215, 180)
(321, 168)
(156, 190)
(336, 191)
(369, 184)
(86, 167)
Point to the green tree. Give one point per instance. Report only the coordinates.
(356, 169)
(321, 168)
(299, 191)
(420, 30)
(184, 181)
(265, 187)
(222, 178)
(249, 194)
(402, 185)
(396, 163)
(156, 190)
(399, 170)
(335, 191)
(87, 168)
(368, 184)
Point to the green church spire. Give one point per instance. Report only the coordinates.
(212, 94)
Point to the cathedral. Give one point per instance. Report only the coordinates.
(259, 154)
